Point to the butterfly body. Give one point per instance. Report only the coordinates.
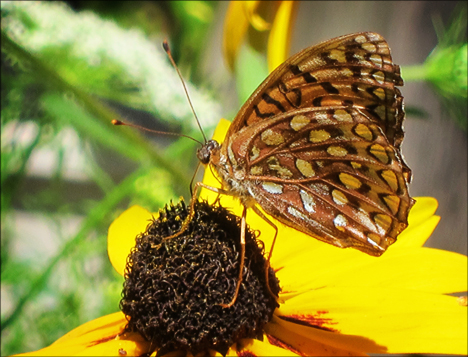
(317, 145)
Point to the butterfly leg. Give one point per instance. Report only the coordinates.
(267, 263)
(241, 265)
(191, 214)
(217, 178)
(192, 207)
(193, 178)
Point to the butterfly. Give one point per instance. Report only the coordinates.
(317, 146)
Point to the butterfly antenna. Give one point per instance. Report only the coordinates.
(168, 51)
(119, 122)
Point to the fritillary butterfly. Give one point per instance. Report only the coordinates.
(317, 146)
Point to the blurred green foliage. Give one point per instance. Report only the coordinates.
(446, 67)
(66, 73)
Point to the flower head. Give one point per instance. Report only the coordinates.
(333, 301)
(174, 287)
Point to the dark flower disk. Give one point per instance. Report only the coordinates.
(173, 289)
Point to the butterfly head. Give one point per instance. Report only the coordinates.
(204, 153)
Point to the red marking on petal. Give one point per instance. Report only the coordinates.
(288, 292)
(316, 321)
(278, 343)
(102, 340)
(246, 353)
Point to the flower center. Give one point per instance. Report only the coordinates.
(174, 288)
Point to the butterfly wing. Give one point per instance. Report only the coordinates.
(351, 70)
(318, 144)
(329, 172)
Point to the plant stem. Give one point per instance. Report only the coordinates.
(415, 73)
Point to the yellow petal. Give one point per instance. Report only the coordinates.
(421, 269)
(285, 333)
(108, 325)
(69, 350)
(280, 35)
(235, 28)
(424, 208)
(421, 224)
(221, 130)
(99, 337)
(250, 347)
(115, 348)
(239, 16)
(257, 22)
(404, 321)
(122, 233)
(338, 344)
(232, 352)
(416, 236)
(311, 267)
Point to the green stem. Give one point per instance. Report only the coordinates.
(97, 215)
(415, 73)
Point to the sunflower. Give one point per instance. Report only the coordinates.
(333, 301)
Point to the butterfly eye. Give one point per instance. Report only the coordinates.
(204, 153)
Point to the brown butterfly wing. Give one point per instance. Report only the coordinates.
(327, 172)
(318, 143)
(354, 70)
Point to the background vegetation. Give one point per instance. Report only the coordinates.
(68, 68)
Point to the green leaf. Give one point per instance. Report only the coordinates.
(251, 70)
